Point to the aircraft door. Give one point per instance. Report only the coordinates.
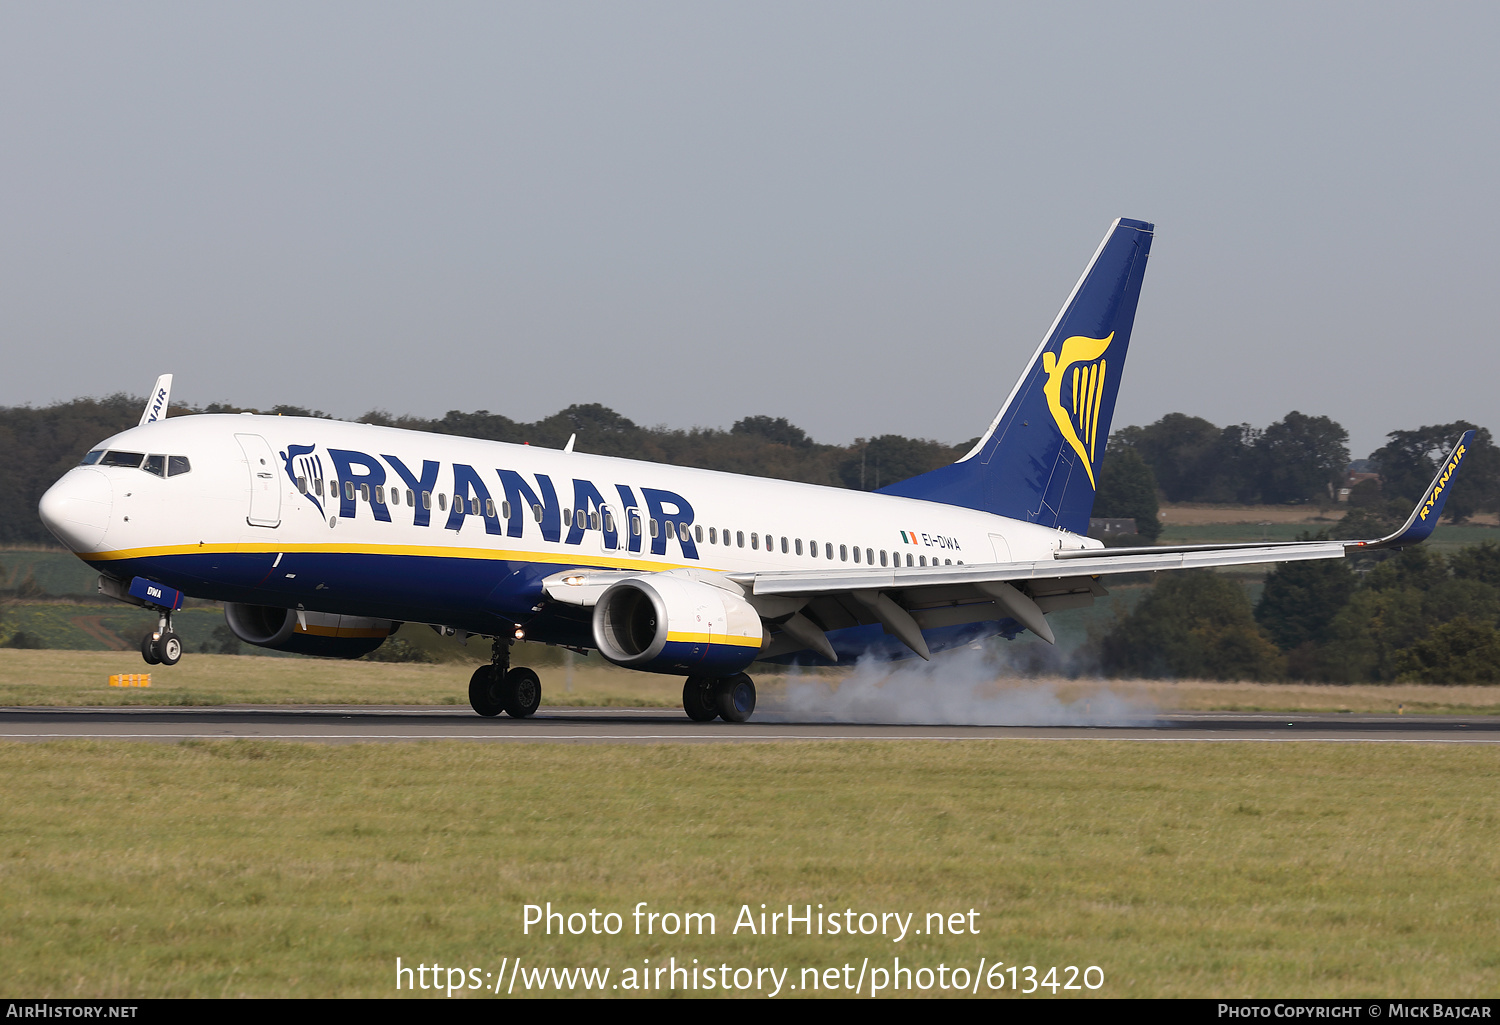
(1001, 546)
(265, 490)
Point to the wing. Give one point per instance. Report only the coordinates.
(801, 607)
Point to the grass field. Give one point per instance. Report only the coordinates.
(81, 678)
(268, 869)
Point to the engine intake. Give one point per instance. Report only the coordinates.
(326, 634)
(667, 624)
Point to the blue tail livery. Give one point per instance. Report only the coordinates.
(1039, 459)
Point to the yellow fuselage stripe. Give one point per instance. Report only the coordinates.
(425, 551)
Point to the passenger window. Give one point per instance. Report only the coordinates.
(725, 535)
(380, 494)
(427, 500)
(922, 560)
(458, 504)
(635, 525)
(537, 512)
(828, 549)
(713, 535)
(655, 528)
(882, 556)
(489, 508)
(755, 540)
(698, 533)
(609, 522)
(812, 549)
(395, 496)
(783, 546)
(567, 517)
(739, 538)
(505, 509)
(411, 499)
(799, 546)
(870, 556)
(947, 562)
(594, 520)
(302, 484)
(580, 518)
(156, 465)
(908, 560)
(442, 502)
(671, 532)
(131, 459)
(856, 554)
(91, 458)
(349, 490)
(364, 492)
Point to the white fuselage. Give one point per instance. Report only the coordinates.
(264, 514)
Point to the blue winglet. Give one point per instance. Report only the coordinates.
(1424, 517)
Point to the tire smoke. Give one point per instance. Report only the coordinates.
(969, 687)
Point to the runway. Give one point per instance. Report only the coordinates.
(327, 724)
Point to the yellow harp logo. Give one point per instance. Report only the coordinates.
(1079, 423)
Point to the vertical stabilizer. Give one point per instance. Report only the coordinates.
(1039, 459)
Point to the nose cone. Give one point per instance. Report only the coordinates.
(76, 509)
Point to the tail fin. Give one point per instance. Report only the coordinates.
(1038, 460)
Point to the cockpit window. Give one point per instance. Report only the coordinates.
(155, 464)
(122, 458)
(92, 457)
(178, 465)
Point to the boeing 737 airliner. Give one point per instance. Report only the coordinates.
(322, 537)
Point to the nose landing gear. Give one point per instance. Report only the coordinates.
(162, 646)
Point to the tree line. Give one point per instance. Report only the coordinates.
(1297, 459)
(1415, 615)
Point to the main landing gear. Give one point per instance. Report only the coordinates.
(731, 698)
(497, 687)
(161, 646)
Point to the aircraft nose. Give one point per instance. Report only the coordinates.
(76, 509)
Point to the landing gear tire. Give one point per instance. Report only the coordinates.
(484, 692)
(148, 650)
(522, 693)
(169, 649)
(735, 697)
(698, 699)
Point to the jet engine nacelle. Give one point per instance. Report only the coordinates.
(318, 633)
(662, 623)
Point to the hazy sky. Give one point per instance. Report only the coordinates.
(860, 216)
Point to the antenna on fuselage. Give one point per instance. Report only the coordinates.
(571, 438)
